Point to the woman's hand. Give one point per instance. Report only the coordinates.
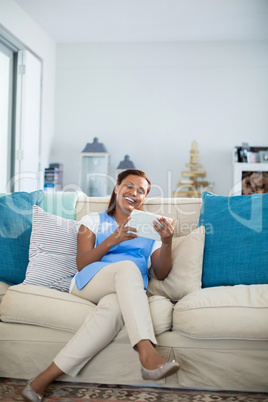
(87, 253)
(165, 229)
(122, 233)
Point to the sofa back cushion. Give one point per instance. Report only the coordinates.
(52, 253)
(186, 211)
(185, 275)
(236, 250)
(15, 232)
(60, 203)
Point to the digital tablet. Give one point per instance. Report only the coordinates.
(143, 222)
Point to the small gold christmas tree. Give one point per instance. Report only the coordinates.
(192, 187)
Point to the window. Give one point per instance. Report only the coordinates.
(20, 117)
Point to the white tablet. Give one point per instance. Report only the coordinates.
(143, 222)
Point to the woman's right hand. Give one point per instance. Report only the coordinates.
(121, 233)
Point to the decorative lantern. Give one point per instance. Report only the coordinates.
(123, 165)
(94, 165)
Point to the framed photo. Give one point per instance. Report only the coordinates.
(250, 178)
(252, 157)
(254, 182)
(263, 156)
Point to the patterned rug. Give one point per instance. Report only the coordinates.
(80, 392)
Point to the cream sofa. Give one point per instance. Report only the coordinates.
(219, 335)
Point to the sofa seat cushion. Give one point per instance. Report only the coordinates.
(38, 305)
(50, 308)
(225, 312)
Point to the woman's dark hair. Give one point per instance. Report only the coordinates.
(120, 178)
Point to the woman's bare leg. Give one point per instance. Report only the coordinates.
(44, 379)
(148, 355)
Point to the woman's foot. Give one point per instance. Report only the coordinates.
(36, 387)
(153, 366)
(29, 394)
(162, 371)
(152, 360)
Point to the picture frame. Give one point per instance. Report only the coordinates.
(263, 155)
(250, 178)
(254, 182)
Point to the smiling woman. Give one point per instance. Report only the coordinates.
(113, 273)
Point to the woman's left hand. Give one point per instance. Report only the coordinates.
(165, 229)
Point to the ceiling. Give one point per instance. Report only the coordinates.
(74, 21)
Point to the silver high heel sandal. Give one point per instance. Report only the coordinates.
(162, 371)
(29, 394)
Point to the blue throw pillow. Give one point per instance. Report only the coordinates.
(236, 240)
(15, 232)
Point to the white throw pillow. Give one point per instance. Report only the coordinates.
(185, 275)
(52, 252)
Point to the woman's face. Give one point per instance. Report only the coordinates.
(131, 193)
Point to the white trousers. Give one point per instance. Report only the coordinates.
(119, 293)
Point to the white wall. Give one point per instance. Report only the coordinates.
(149, 101)
(152, 100)
(19, 24)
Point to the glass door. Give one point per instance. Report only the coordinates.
(6, 89)
(20, 116)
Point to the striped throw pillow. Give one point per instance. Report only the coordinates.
(52, 252)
